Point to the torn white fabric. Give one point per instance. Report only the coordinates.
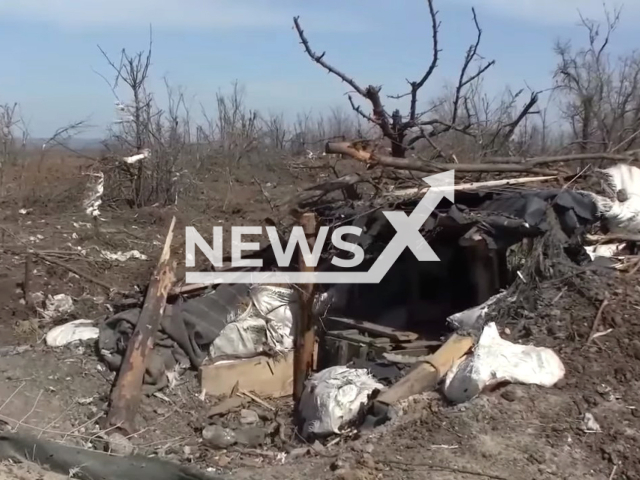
(495, 360)
(57, 306)
(123, 256)
(77, 330)
(333, 398)
(93, 200)
(473, 317)
(607, 250)
(265, 326)
(146, 153)
(621, 217)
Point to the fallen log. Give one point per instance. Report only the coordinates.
(127, 392)
(345, 148)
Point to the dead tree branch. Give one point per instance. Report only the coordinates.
(396, 127)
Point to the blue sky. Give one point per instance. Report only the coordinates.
(50, 54)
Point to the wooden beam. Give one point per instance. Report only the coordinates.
(127, 392)
(304, 331)
(426, 376)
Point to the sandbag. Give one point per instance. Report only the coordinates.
(332, 398)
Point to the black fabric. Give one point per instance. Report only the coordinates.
(187, 330)
(574, 209)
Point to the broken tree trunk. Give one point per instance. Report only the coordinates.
(127, 392)
(304, 330)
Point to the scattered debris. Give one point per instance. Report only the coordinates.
(227, 405)
(77, 330)
(495, 360)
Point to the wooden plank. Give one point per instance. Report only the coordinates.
(372, 328)
(418, 344)
(426, 376)
(265, 376)
(127, 392)
(472, 186)
(356, 336)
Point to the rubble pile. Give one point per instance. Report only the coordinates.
(515, 271)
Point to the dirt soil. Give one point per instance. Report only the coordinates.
(516, 432)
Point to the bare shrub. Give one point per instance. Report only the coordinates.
(600, 94)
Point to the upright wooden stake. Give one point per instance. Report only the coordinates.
(127, 393)
(304, 330)
(28, 270)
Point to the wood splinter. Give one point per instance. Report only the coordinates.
(127, 392)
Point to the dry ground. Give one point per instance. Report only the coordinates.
(518, 432)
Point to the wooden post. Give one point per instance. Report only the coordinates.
(28, 272)
(127, 392)
(304, 342)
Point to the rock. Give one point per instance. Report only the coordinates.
(216, 436)
(298, 452)
(251, 436)
(366, 460)
(635, 349)
(510, 395)
(319, 448)
(248, 417)
(561, 383)
(622, 195)
(591, 400)
(119, 444)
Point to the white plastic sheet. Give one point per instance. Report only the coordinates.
(264, 326)
(622, 217)
(333, 397)
(77, 330)
(606, 250)
(495, 361)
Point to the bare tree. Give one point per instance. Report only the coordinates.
(404, 131)
(13, 138)
(134, 129)
(601, 94)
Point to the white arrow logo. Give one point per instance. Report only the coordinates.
(407, 236)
